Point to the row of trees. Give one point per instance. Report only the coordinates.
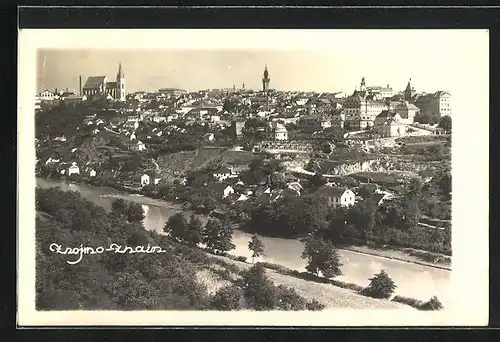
(214, 235)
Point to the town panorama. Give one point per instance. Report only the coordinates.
(258, 199)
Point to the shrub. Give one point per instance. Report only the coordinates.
(228, 298)
(433, 304)
(408, 301)
(278, 268)
(241, 258)
(381, 286)
(314, 305)
(289, 299)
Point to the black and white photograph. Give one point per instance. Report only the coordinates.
(236, 177)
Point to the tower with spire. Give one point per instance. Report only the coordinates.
(265, 80)
(409, 91)
(363, 85)
(120, 84)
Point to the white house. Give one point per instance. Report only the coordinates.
(73, 169)
(139, 146)
(336, 196)
(147, 179)
(228, 190)
(92, 173)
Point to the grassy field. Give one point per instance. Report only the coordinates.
(331, 296)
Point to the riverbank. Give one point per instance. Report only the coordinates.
(408, 255)
(330, 295)
(422, 258)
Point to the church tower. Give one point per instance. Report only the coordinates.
(363, 84)
(409, 92)
(265, 80)
(120, 84)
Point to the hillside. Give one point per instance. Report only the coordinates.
(181, 162)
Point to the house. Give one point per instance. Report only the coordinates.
(312, 123)
(277, 131)
(407, 111)
(74, 99)
(92, 173)
(73, 169)
(335, 196)
(222, 173)
(389, 124)
(149, 178)
(222, 189)
(139, 146)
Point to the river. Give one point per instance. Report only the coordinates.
(412, 280)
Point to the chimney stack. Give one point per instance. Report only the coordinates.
(80, 85)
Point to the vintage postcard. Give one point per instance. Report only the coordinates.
(253, 177)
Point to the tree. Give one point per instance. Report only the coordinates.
(135, 213)
(322, 257)
(176, 226)
(367, 190)
(217, 236)
(256, 246)
(381, 286)
(414, 188)
(228, 298)
(445, 123)
(318, 180)
(194, 231)
(258, 289)
(433, 304)
(120, 206)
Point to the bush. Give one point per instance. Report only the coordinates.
(314, 305)
(433, 304)
(289, 299)
(381, 286)
(228, 298)
(241, 258)
(278, 268)
(408, 301)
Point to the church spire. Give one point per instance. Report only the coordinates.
(120, 71)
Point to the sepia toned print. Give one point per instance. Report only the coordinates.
(246, 180)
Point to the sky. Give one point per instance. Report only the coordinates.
(319, 61)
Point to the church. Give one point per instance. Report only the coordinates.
(99, 85)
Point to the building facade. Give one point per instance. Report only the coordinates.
(437, 104)
(99, 85)
(389, 124)
(336, 196)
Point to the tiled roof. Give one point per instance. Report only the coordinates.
(94, 81)
(331, 191)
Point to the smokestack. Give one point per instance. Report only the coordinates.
(80, 85)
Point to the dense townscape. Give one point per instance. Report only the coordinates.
(368, 171)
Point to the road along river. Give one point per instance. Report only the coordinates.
(412, 280)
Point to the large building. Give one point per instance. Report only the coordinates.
(361, 108)
(437, 104)
(389, 124)
(99, 85)
(407, 111)
(335, 197)
(265, 80)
